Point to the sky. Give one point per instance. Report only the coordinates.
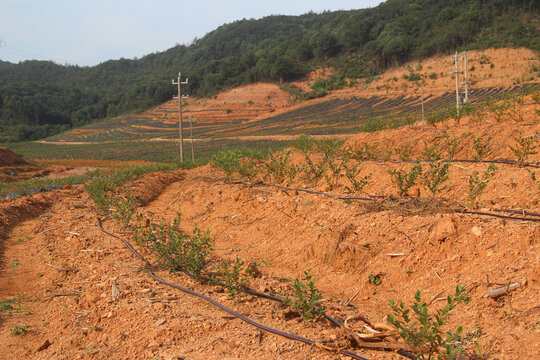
(88, 32)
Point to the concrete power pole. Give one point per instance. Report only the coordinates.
(455, 70)
(179, 82)
(423, 116)
(464, 57)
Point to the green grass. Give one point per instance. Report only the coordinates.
(163, 152)
(16, 189)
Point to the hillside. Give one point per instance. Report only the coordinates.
(70, 290)
(267, 111)
(40, 98)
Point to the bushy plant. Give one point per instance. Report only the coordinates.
(404, 180)
(436, 175)
(278, 167)
(432, 151)
(175, 249)
(352, 174)
(482, 147)
(477, 183)
(305, 298)
(423, 331)
(523, 148)
(233, 275)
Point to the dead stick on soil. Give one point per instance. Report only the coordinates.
(495, 293)
(435, 271)
(435, 298)
(58, 267)
(353, 297)
(44, 231)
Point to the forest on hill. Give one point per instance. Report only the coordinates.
(41, 98)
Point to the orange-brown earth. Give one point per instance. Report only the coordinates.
(62, 270)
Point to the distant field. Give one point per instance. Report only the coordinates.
(163, 152)
(335, 116)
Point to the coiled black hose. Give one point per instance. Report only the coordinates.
(215, 303)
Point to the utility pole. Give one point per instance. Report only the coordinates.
(455, 69)
(423, 117)
(191, 134)
(502, 85)
(179, 82)
(465, 56)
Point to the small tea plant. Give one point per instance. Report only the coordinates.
(482, 147)
(374, 279)
(315, 171)
(19, 330)
(404, 180)
(477, 183)
(278, 168)
(524, 147)
(352, 174)
(436, 175)
(335, 172)
(305, 298)
(234, 278)
(227, 160)
(404, 152)
(454, 144)
(534, 178)
(432, 151)
(176, 250)
(423, 331)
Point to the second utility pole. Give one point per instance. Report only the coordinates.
(180, 97)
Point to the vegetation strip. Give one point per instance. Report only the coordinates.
(222, 307)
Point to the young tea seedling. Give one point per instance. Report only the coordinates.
(481, 147)
(305, 298)
(477, 183)
(435, 176)
(524, 147)
(423, 331)
(352, 174)
(404, 180)
(231, 274)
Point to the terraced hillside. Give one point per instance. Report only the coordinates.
(334, 116)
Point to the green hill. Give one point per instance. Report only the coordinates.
(40, 98)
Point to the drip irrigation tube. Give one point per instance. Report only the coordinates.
(222, 307)
(523, 212)
(499, 215)
(533, 216)
(325, 194)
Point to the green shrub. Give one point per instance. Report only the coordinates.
(352, 174)
(477, 183)
(524, 147)
(482, 149)
(436, 175)
(404, 180)
(305, 298)
(233, 276)
(423, 331)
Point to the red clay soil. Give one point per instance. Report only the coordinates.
(84, 295)
(9, 158)
(63, 261)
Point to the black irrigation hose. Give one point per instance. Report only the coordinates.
(535, 164)
(456, 210)
(324, 194)
(523, 212)
(498, 215)
(222, 307)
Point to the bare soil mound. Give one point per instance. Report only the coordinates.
(9, 158)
